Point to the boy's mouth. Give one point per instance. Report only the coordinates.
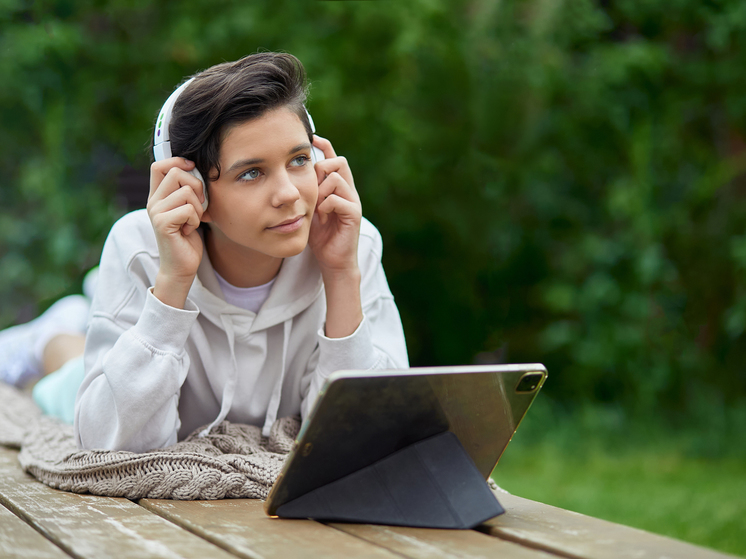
(289, 225)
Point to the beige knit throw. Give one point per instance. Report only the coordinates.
(232, 461)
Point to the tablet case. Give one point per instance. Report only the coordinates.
(409, 448)
(429, 484)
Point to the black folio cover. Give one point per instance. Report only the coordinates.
(429, 484)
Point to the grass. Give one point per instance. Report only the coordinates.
(686, 484)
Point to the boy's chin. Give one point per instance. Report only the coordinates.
(291, 249)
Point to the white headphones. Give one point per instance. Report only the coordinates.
(162, 141)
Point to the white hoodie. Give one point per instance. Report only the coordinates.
(154, 373)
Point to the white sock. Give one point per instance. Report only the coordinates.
(22, 346)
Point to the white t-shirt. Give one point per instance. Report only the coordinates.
(248, 298)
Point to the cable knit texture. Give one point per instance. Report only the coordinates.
(232, 461)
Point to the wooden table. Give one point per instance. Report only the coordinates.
(37, 521)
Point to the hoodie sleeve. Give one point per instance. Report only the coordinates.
(378, 342)
(135, 355)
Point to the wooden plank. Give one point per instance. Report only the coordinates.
(241, 527)
(19, 540)
(583, 537)
(89, 526)
(423, 543)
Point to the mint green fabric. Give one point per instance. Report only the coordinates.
(55, 393)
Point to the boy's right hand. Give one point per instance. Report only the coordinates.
(175, 211)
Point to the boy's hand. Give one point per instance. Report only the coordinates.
(175, 211)
(336, 223)
(335, 231)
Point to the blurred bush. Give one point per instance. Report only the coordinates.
(555, 181)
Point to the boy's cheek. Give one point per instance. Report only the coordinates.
(313, 193)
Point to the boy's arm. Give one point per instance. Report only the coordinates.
(135, 357)
(130, 395)
(378, 342)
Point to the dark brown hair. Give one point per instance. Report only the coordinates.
(229, 94)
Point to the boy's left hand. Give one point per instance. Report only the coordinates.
(335, 228)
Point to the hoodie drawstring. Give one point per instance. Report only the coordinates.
(274, 401)
(230, 385)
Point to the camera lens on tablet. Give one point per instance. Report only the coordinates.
(529, 382)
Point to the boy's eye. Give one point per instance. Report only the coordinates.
(250, 175)
(300, 161)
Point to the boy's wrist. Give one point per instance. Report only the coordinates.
(344, 311)
(342, 277)
(172, 291)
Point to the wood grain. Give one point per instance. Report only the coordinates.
(583, 537)
(240, 526)
(423, 543)
(88, 526)
(93, 527)
(19, 540)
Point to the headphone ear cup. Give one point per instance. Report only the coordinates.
(195, 173)
(316, 155)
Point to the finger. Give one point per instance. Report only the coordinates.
(174, 179)
(336, 184)
(176, 219)
(335, 165)
(188, 216)
(344, 209)
(192, 224)
(185, 195)
(159, 170)
(324, 145)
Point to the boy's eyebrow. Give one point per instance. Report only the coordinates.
(256, 161)
(299, 147)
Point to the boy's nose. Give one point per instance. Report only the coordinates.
(285, 192)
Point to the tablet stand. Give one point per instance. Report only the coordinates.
(429, 484)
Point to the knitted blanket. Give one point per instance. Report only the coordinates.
(232, 461)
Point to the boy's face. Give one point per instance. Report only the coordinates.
(264, 200)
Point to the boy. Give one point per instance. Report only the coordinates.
(241, 310)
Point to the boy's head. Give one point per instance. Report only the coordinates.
(229, 94)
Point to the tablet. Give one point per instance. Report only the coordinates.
(361, 417)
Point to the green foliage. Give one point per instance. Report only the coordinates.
(598, 463)
(561, 179)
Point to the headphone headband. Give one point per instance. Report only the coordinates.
(161, 138)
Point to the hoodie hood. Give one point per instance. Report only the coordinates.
(297, 286)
